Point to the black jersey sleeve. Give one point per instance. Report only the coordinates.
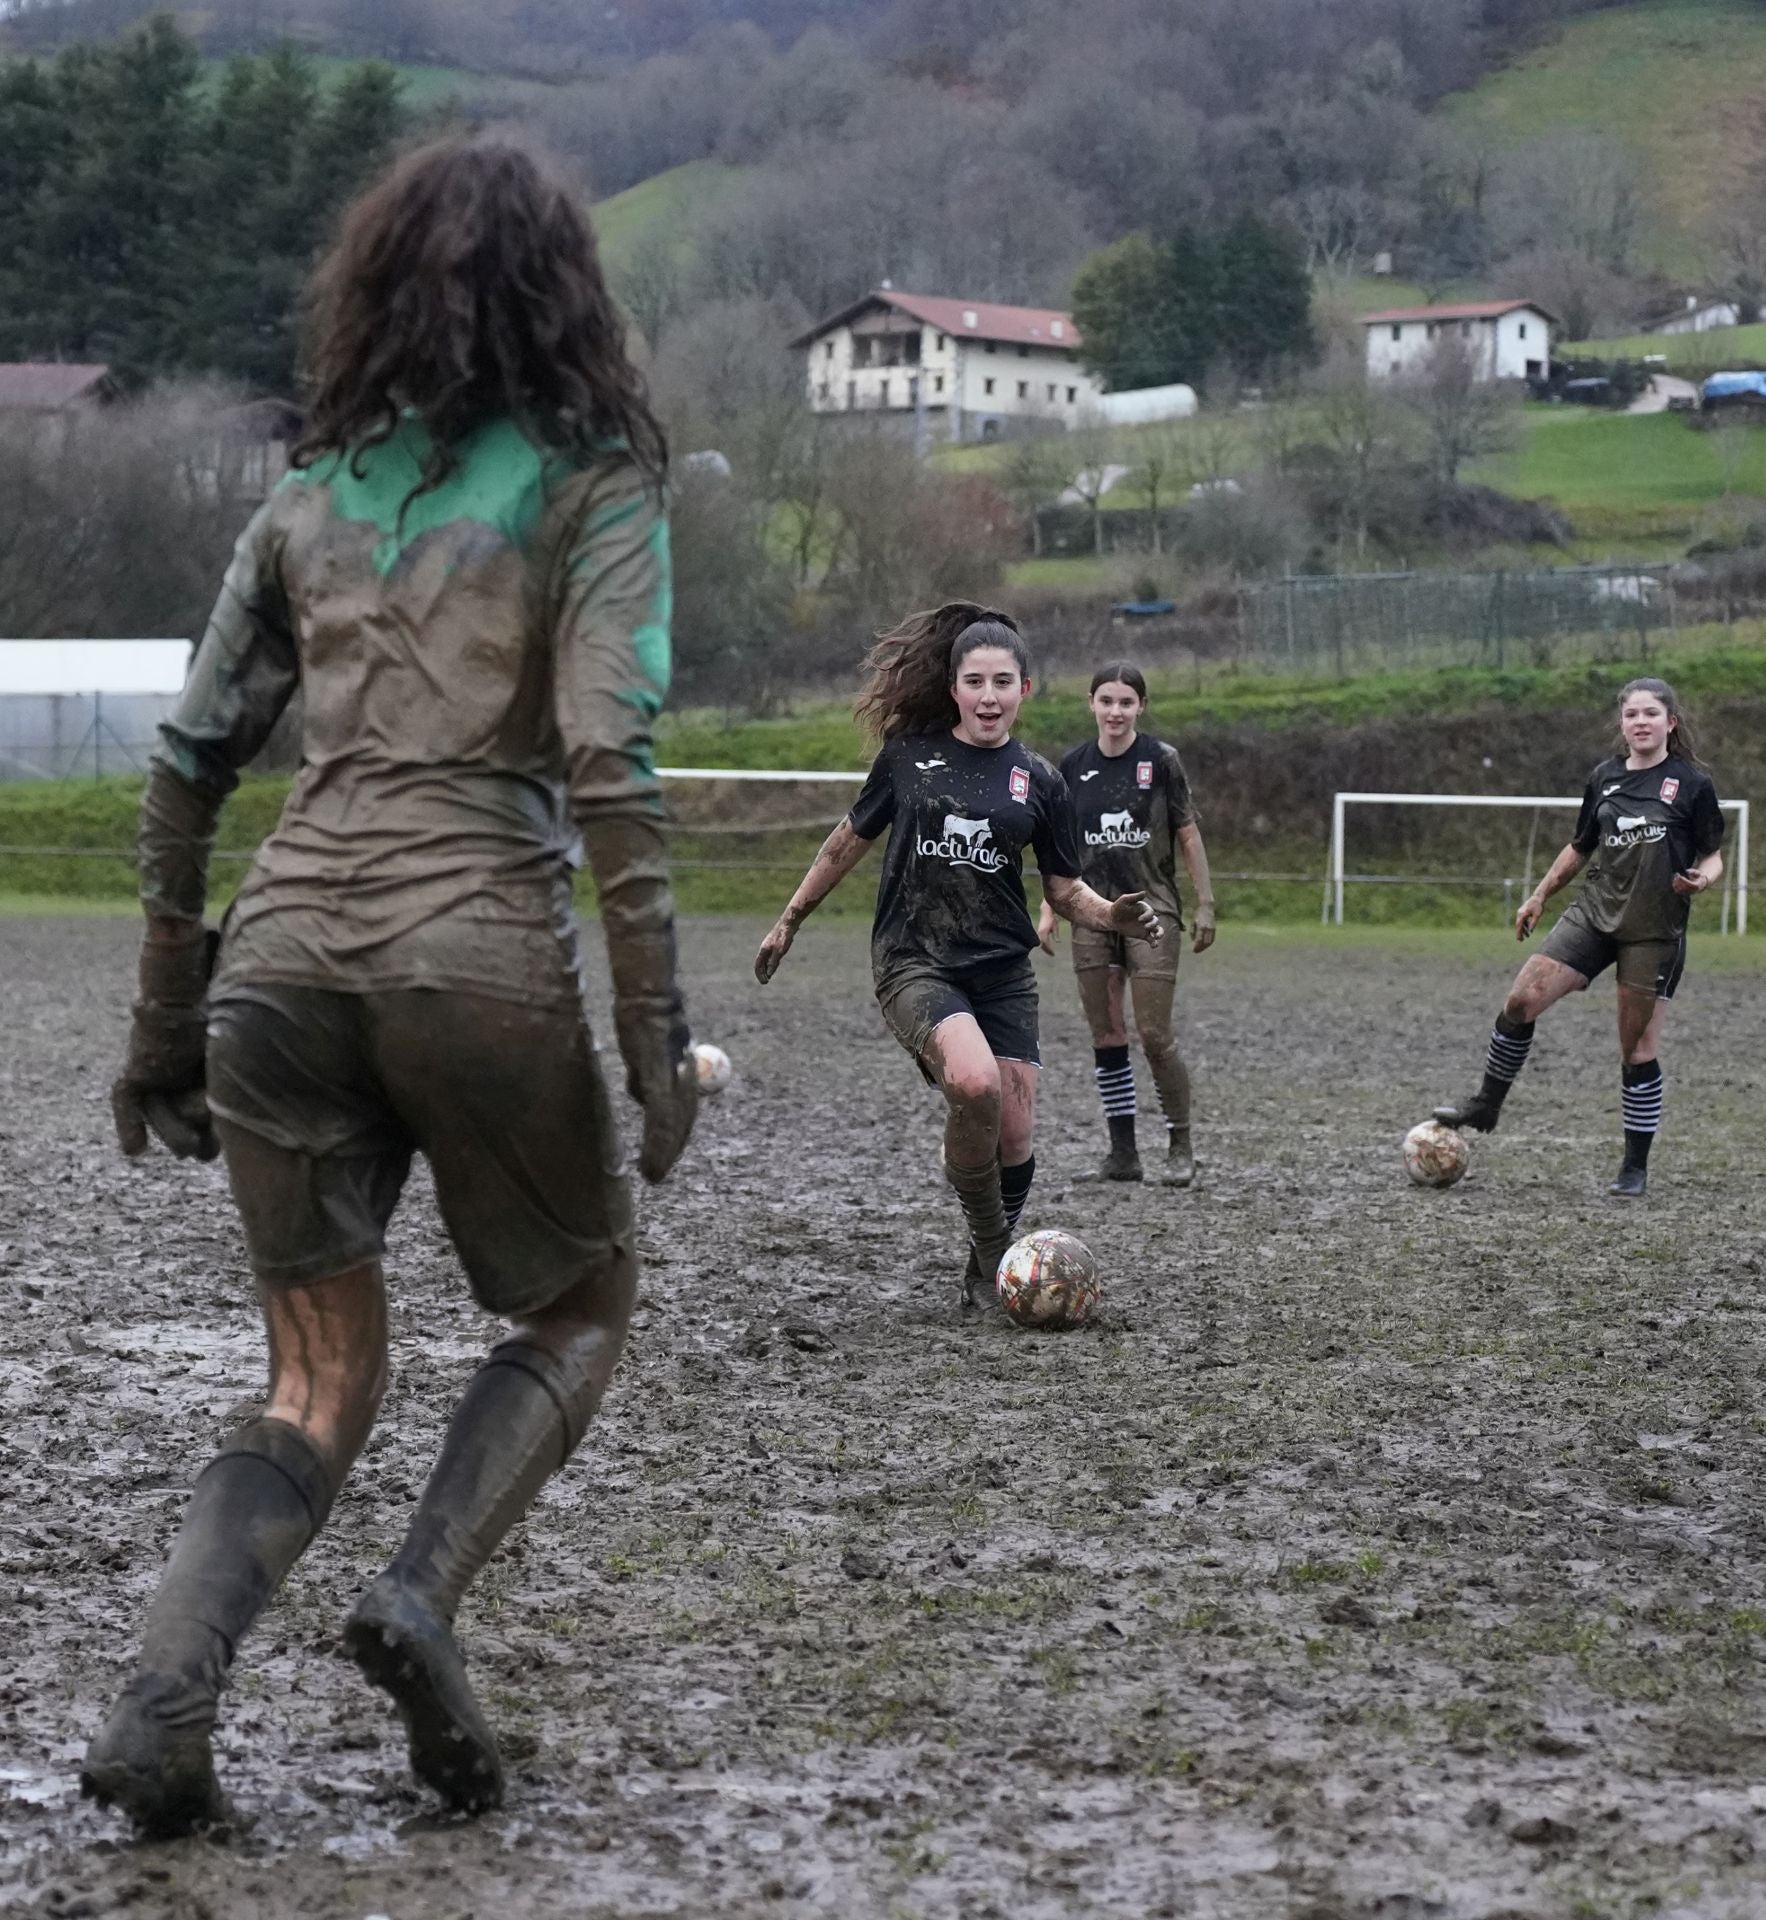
(874, 809)
(1177, 790)
(1587, 835)
(1056, 833)
(1707, 819)
(1069, 768)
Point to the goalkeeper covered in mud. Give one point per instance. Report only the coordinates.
(466, 577)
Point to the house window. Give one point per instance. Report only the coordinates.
(987, 386)
(851, 394)
(938, 383)
(1051, 389)
(1023, 389)
(1072, 396)
(1523, 329)
(1397, 333)
(943, 342)
(883, 393)
(989, 346)
(1431, 329)
(822, 390)
(1023, 353)
(1465, 327)
(827, 349)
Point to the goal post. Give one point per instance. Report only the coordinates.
(1337, 878)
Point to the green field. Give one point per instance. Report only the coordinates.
(1692, 355)
(1678, 81)
(668, 201)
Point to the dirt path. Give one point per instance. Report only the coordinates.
(1385, 1554)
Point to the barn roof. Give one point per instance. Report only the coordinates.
(961, 319)
(1465, 310)
(46, 386)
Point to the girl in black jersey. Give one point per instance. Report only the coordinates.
(951, 941)
(1132, 798)
(1649, 834)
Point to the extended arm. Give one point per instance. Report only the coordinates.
(1558, 875)
(612, 671)
(1195, 859)
(1704, 872)
(840, 853)
(1074, 900)
(243, 676)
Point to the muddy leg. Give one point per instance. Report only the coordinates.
(969, 1075)
(1541, 983)
(1152, 1018)
(254, 1509)
(520, 1418)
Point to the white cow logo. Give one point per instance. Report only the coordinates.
(1117, 830)
(1627, 821)
(964, 843)
(1633, 830)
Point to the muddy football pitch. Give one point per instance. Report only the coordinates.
(1383, 1553)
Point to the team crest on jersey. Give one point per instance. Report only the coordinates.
(1143, 773)
(1670, 788)
(1020, 783)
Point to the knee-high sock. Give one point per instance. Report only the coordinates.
(1172, 1078)
(1113, 1070)
(1015, 1192)
(1642, 1098)
(1510, 1043)
(253, 1510)
(978, 1192)
(519, 1420)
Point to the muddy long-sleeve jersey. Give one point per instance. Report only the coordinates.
(481, 665)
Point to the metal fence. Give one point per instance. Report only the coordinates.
(1341, 624)
(59, 736)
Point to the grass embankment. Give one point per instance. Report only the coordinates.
(1691, 355)
(740, 848)
(1678, 82)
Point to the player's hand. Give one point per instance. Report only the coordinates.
(1691, 881)
(659, 1074)
(160, 1089)
(1202, 927)
(1046, 923)
(1130, 915)
(773, 949)
(1528, 917)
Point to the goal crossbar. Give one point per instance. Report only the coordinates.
(1735, 876)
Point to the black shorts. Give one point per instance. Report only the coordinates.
(320, 1099)
(1645, 966)
(1002, 1001)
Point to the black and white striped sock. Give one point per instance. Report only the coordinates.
(1015, 1192)
(1114, 1074)
(1510, 1043)
(1642, 1100)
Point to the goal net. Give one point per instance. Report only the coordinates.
(1552, 818)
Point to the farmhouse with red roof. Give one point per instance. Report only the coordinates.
(957, 369)
(1507, 339)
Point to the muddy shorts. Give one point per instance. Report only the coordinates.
(1152, 960)
(1001, 999)
(1646, 966)
(321, 1098)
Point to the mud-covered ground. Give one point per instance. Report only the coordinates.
(1386, 1553)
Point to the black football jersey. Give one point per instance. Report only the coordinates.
(959, 818)
(1129, 807)
(1639, 829)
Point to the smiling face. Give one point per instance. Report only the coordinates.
(1117, 708)
(988, 690)
(1646, 721)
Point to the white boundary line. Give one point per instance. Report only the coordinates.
(1735, 878)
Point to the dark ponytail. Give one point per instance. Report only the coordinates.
(1680, 742)
(910, 669)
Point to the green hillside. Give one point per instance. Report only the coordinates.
(1690, 354)
(1680, 81)
(665, 202)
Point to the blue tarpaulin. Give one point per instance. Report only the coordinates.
(1734, 386)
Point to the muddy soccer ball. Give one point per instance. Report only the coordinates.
(1434, 1155)
(713, 1067)
(1050, 1280)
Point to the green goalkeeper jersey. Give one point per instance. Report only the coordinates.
(480, 668)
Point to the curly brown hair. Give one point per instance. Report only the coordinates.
(464, 286)
(910, 669)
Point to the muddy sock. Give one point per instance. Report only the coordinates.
(1172, 1078)
(518, 1421)
(252, 1512)
(978, 1191)
(1114, 1073)
(1642, 1099)
(1015, 1192)
(1510, 1043)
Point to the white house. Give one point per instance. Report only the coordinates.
(1508, 339)
(964, 368)
(1704, 316)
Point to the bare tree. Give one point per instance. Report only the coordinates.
(1462, 412)
(1035, 468)
(1162, 456)
(1357, 444)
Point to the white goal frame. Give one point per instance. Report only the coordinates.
(1735, 872)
